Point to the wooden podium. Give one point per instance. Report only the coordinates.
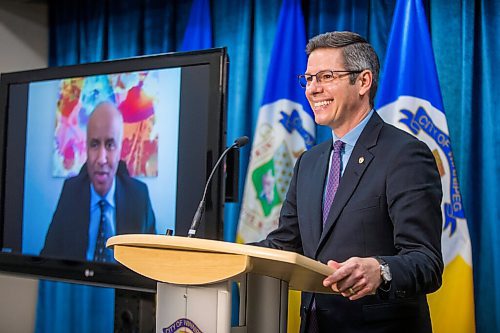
(195, 281)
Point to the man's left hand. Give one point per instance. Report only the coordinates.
(355, 277)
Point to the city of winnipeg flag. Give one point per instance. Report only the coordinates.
(410, 98)
(285, 128)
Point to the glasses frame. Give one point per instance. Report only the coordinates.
(344, 73)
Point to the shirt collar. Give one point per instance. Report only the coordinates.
(109, 197)
(352, 136)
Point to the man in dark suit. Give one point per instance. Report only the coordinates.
(102, 200)
(368, 204)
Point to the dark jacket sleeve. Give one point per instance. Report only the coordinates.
(54, 237)
(67, 236)
(414, 202)
(134, 212)
(150, 221)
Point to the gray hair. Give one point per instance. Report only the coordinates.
(358, 54)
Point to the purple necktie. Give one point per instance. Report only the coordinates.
(333, 178)
(331, 189)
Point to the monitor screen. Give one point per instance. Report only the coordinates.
(172, 127)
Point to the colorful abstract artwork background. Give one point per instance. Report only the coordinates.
(135, 95)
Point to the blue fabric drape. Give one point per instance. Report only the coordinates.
(65, 307)
(464, 37)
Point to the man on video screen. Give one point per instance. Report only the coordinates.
(102, 200)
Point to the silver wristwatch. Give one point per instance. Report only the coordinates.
(385, 273)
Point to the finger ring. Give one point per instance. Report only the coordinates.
(351, 291)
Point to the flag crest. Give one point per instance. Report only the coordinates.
(410, 99)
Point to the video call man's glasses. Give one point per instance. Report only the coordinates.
(323, 77)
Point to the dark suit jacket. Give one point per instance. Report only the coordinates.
(68, 232)
(388, 204)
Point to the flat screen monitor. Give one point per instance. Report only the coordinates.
(173, 113)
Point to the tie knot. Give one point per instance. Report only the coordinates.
(338, 146)
(102, 204)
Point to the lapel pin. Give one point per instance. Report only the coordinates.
(361, 160)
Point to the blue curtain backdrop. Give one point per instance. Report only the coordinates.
(464, 36)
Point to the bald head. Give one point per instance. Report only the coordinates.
(104, 142)
(106, 114)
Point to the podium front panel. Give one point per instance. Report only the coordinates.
(198, 309)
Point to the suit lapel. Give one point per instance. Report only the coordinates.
(83, 216)
(316, 193)
(120, 206)
(359, 161)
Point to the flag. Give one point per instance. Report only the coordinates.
(198, 34)
(285, 128)
(410, 99)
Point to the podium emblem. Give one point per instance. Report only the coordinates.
(182, 325)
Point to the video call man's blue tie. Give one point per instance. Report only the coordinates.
(330, 191)
(103, 254)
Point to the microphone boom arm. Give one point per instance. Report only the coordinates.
(238, 143)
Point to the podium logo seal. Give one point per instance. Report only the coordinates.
(182, 325)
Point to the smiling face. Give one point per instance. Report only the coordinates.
(337, 104)
(104, 136)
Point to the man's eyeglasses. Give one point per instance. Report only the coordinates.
(323, 77)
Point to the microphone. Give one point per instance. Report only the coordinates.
(238, 143)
